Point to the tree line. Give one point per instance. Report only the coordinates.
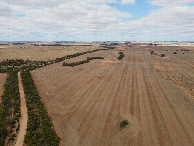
(81, 62)
(10, 109)
(10, 65)
(40, 128)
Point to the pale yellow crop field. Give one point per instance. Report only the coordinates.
(40, 53)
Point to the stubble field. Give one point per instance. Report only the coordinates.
(40, 53)
(155, 94)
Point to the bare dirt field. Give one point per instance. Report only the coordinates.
(155, 94)
(40, 53)
(2, 82)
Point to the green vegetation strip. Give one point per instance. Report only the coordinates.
(81, 62)
(19, 64)
(121, 56)
(10, 109)
(40, 128)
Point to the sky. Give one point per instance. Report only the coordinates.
(96, 20)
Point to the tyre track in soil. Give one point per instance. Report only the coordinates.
(82, 99)
(100, 108)
(159, 123)
(24, 115)
(70, 84)
(167, 101)
(102, 97)
(114, 107)
(104, 110)
(91, 117)
(146, 127)
(182, 78)
(138, 139)
(146, 107)
(179, 138)
(165, 109)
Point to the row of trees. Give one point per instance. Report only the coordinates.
(81, 62)
(10, 65)
(40, 128)
(121, 56)
(10, 109)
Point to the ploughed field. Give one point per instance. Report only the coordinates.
(155, 94)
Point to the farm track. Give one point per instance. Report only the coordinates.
(86, 103)
(24, 118)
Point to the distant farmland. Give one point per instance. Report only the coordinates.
(40, 53)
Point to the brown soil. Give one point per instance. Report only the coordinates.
(41, 52)
(87, 102)
(24, 118)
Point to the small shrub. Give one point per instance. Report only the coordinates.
(175, 53)
(121, 56)
(151, 52)
(162, 55)
(124, 123)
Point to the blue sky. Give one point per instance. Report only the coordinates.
(97, 20)
(140, 9)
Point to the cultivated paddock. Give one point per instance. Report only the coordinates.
(87, 102)
(40, 53)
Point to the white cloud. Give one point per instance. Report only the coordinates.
(98, 20)
(170, 3)
(128, 2)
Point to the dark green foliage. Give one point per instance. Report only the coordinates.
(121, 56)
(124, 123)
(40, 128)
(81, 62)
(19, 64)
(175, 53)
(10, 104)
(151, 52)
(162, 55)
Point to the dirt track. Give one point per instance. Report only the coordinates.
(87, 103)
(24, 118)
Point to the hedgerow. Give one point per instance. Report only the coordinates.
(40, 128)
(81, 62)
(10, 109)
